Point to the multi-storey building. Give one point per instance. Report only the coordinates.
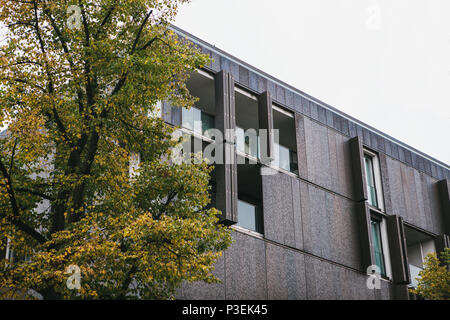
(344, 195)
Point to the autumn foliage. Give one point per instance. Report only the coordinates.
(434, 280)
(77, 104)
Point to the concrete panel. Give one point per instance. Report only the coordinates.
(352, 285)
(409, 189)
(330, 226)
(297, 103)
(285, 273)
(329, 116)
(245, 268)
(253, 81)
(272, 88)
(314, 111)
(357, 165)
(352, 129)
(243, 76)
(396, 187)
(344, 127)
(334, 162)
(321, 279)
(322, 115)
(337, 122)
(344, 166)
(414, 196)
(317, 153)
(278, 209)
(306, 110)
(205, 291)
(385, 184)
(301, 146)
(289, 99)
(281, 94)
(298, 220)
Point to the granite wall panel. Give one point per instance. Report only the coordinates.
(330, 226)
(253, 81)
(327, 281)
(414, 195)
(245, 268)
(244, 76)
(278, 209)
(204, 291)
(301, 146)
(285, 273)
(317, 153)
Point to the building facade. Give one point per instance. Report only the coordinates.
(313, 213)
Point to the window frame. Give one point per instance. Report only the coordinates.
(381, 219)
(376, 174)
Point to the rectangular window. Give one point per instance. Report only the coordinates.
(370, 180)
(248, 216)
(373, 180)
(250, 210)
(285, 149)
(247, 142)
(200, 117)
(378, 244)
(247, 125)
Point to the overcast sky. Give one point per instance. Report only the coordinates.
(386, 63)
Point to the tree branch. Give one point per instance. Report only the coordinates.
(36, 193)
(15, 219)
(138, 35)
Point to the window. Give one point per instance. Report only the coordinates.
(285, 149)
(380, 243)
(418, 245)
(196, 120)
(250, 215)
(247, 124)
(200, 117)
(247, 142)
(373, 180)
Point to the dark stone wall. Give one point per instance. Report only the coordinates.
(256, 269)
(414, 196)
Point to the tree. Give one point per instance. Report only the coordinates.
(434, 279)
(77, 87)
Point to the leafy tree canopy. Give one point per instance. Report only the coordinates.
(434, 280)
(76, 95)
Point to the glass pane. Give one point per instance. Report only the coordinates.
(371, 190)
(285, 162)
(414, 271)
(282, 157)
(246, 215)
(377, 246)
(187, 117)
(251, 143)
(240, 139)
(207, 122)
(247, 142)
(197, 120)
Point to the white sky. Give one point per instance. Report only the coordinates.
(384, 62)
